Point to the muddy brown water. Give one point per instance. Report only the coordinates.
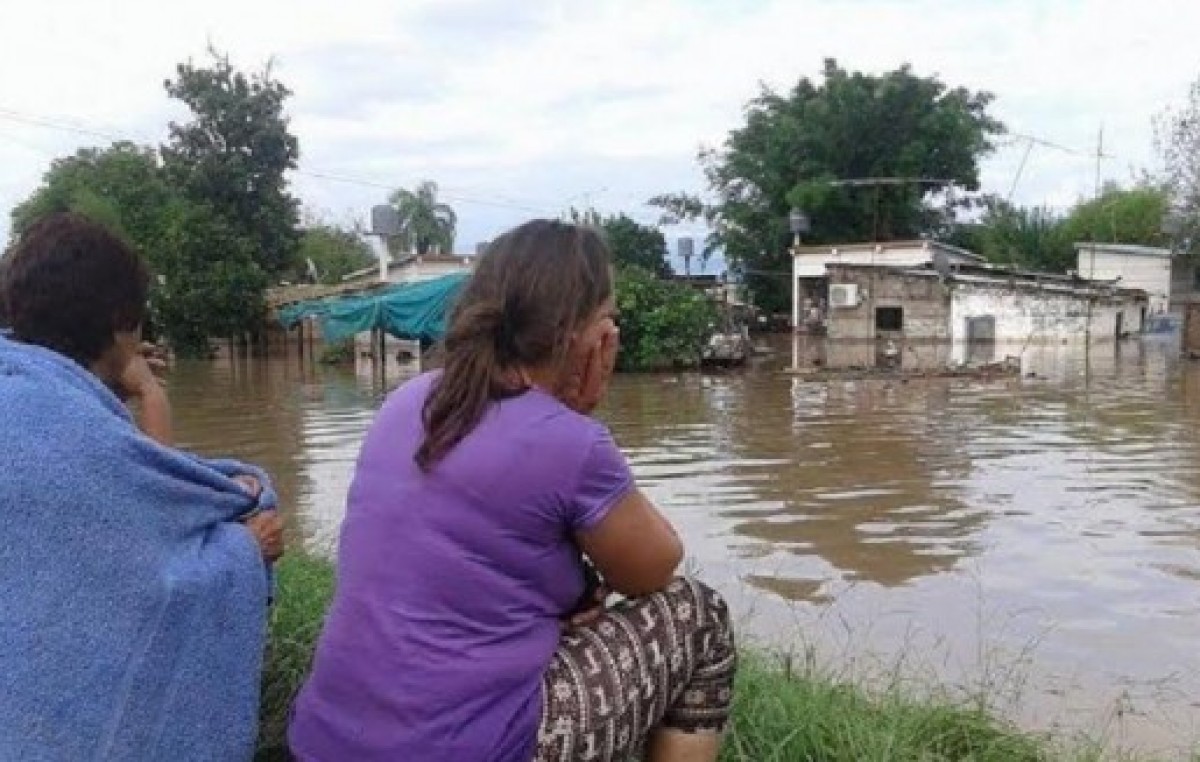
(1036, 540)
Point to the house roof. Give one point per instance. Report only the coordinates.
(890, 246)
(995, 275)
(1125, 248)
(409, 261)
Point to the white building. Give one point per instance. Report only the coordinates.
(1145, 268)
(924, 318)
(810, 275)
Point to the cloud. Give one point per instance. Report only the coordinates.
(527, 108)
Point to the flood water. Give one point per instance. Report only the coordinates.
(1037, 538)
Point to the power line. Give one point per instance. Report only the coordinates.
(61, 125)
(1032, 140)
(349, 180)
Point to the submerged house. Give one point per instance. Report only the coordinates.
(296, 314)
(946, 314)
(811, 266)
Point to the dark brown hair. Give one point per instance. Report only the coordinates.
(532, 287)
(69, 285)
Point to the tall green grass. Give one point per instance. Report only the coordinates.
(304, 588)
(783, 711)
(784, 715)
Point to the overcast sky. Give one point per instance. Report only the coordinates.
(520, 109)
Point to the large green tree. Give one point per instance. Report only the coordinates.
(425, 222)
(210, 211)
(235, 229)
(234, 155)
(121, 186)
(814, 147)
(203, 295)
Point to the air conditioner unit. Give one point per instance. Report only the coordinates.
(843, 295)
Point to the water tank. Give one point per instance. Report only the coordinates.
(687, 249)
(385, 221)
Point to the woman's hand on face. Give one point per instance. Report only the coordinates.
(143, 374)
(593, 367)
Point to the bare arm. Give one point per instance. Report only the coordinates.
(141, 382)
(635, 548)
(154, 417)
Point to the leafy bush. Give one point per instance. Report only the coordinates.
(663, 324)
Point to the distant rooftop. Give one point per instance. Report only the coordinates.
(407, 260)
(999, 275)
(881, 246)
(1125, 248)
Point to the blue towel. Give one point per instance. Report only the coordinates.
(132, 603)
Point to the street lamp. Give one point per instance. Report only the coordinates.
(798, 221)
(799, 224)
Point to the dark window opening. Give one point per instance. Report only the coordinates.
(889, 318)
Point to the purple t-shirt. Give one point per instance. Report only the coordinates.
(451, 584)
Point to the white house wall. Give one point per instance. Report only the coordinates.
(1135, 271)
(1030, 318)
(813, 264)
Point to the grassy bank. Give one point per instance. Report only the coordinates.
(781, 713)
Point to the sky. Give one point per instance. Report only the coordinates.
(523, 109)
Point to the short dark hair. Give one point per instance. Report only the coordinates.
(69, 284)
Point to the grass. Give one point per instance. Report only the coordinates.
(784, 715)
(304, 588)
(783, 712)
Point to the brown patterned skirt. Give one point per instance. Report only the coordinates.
(663, 661)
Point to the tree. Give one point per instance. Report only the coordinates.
(210, 211)
(234, 156)
(1032, 238)
(636, 245)
(121, 186)
(425, 223)
(334, 251)
(1038, 238)
(802, 149)
(631, 243)
(1177, 138)
(1117, 215)
(202, 295)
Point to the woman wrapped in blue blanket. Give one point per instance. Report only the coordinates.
(133, 576)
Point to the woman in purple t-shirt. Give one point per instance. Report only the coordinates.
(465, 625)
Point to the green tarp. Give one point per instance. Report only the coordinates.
(406, 311)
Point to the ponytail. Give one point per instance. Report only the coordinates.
(471, 379)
